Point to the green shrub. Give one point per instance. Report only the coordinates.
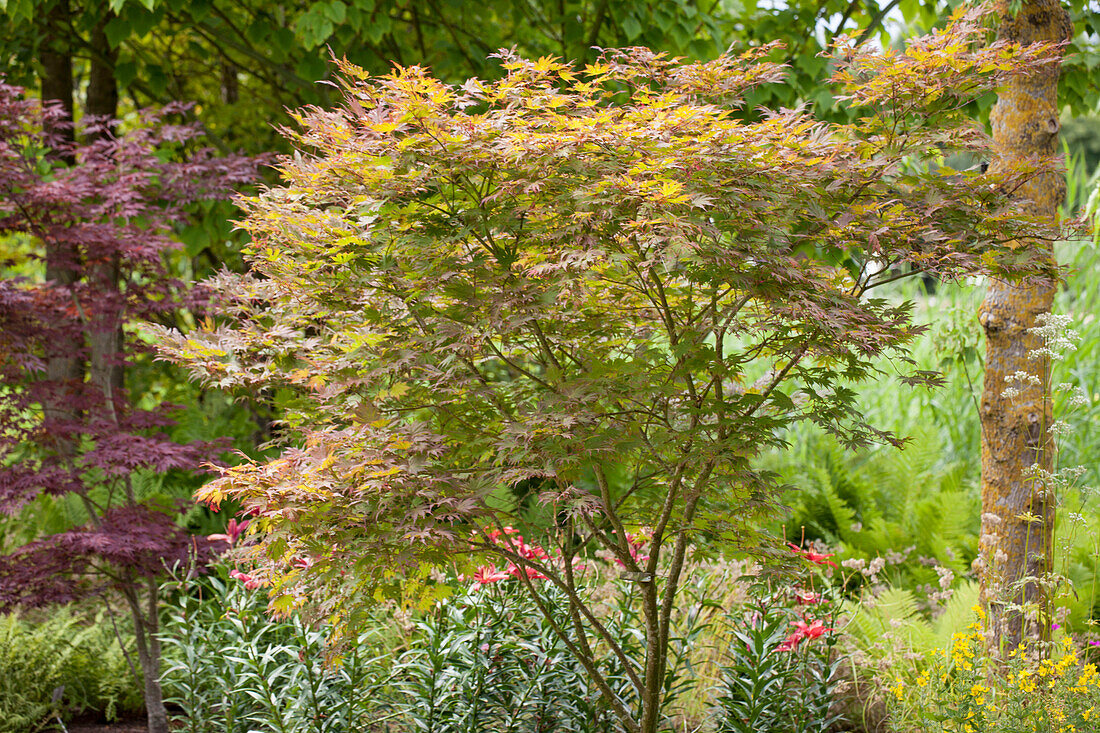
(775, 679)
(232, 668)
(62, 650)
(485, 659)
(482, 659)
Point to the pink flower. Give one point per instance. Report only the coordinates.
(807, 597)
(233, 532)
(495, 534)
(532, 574)
(813, 630)
(533, 552)
(511, 543)
(789, 643)
(816, 558)
(488, 574)
(802, 630)
(250, 583)
(635, 543)
(517, 544)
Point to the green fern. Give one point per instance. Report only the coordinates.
(895, 624)
(870, 503)
(62, 650)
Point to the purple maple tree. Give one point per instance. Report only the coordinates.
(94, 220)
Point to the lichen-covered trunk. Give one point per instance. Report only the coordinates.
(1017, 510)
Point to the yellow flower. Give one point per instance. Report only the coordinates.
(978, 693)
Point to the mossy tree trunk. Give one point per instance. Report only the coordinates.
(1017, 508)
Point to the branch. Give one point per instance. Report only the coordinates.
(551, 575)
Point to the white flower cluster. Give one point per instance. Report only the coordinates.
(1056, 334)
(1020, 379)
(1077, 396)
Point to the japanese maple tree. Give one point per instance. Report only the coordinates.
(87, 227)
(606, 286)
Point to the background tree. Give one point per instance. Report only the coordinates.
(245, 63)
(601, 282)
(90, 237)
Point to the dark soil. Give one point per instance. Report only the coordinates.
(94, 725)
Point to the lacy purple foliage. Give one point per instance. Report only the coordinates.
(129, 542)
(100, 215)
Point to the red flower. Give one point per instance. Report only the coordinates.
(488, 574)
(250, 583)
(802, 630)
(532, 574)
(511, 542)
(233, 531)
(789, 643)
(531, 552)
(813, 630)
(494, 534)
(816, 558)
(635, 544)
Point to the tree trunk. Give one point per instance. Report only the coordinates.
(1017, 508)
(64, 365)
(102, 100)
(57, 63)
(146, 627)
(105, 339)
(106, 360)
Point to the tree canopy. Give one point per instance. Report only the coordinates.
(601, 285)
